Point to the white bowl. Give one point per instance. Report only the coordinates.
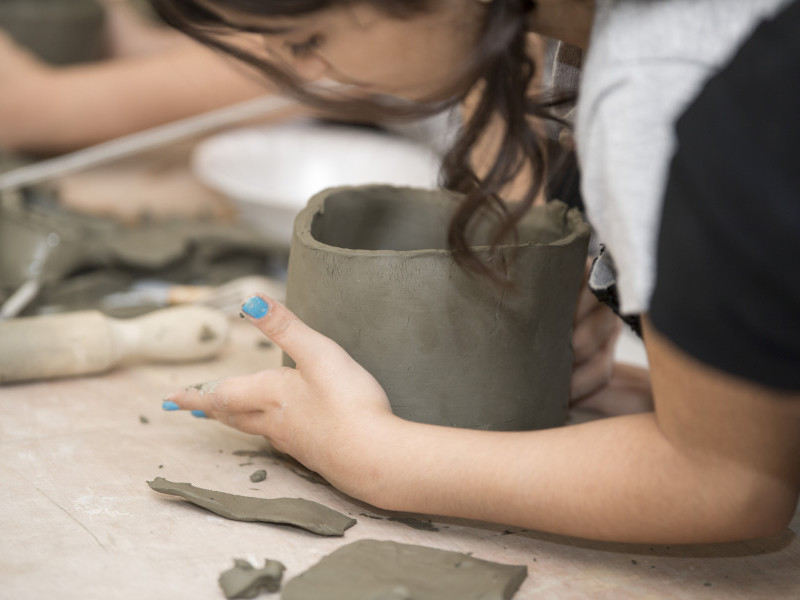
(272, 171)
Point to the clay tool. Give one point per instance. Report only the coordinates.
(227, 297)
(88, 342)
(140, 141)
(134, 143)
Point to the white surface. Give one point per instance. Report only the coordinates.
(272, 171)
(630, 349)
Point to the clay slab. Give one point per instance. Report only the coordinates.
(298, 512)
(383, 570)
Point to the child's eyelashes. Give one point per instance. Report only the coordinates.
(303, 49)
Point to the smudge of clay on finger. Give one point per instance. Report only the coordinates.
(208, 387)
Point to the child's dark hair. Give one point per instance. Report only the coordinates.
(501, 65)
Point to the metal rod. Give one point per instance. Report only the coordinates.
(17, 301)
(141, 141)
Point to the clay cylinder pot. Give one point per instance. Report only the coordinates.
(369, 268)
(58, 31)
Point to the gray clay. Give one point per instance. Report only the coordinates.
(58, 32)
(264, 453)
(383, 570)
(414, 523)
(298, 512)
(245, 581)
(290, 463)
(259, 475)
(369, 268)
(207, 387)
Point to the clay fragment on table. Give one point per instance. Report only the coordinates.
(299, 512)
(245, 581)
(259, 475)
(383, 570)
(290, 463)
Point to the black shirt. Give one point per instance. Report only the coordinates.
(728, 280)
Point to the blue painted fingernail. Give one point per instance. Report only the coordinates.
(199, 414)
(170, 405)
(255, 307)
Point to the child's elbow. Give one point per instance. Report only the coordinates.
(763, 512)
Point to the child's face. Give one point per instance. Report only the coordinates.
(413, 58)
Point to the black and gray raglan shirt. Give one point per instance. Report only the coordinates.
(688, 138)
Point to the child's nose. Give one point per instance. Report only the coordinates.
(309, 68)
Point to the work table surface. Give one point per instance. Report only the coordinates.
(78, 519)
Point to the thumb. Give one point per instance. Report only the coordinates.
(304, 345)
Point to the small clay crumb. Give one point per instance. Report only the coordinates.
(160, 466)
(633, 562)
(259, 475)
(264, 344)
(143, 420)
(707, 584)
(241, 315)
(247, 464)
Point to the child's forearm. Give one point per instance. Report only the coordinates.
(618, 479)
(68, 108)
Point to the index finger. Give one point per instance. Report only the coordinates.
(304, 345)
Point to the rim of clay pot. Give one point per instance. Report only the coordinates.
(574, 224)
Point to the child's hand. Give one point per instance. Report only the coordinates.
(24, 80)
(317, 412)
(598, 384)
(594, 337)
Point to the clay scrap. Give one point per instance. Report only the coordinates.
(259, 475)
(383, 570)
(245, 581)
(298, 512)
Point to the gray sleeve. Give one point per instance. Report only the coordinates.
(625, 141)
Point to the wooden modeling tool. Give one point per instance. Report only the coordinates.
(87, 342)
(227, 297)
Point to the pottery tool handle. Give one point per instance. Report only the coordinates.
(86, 342)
